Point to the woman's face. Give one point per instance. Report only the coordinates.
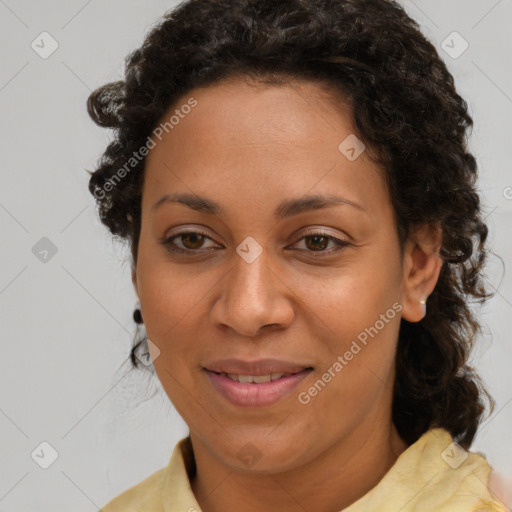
(257, 285)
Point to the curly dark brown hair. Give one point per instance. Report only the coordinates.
(406, 110)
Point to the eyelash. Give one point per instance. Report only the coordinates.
(170, 246)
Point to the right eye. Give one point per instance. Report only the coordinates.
(191, 241)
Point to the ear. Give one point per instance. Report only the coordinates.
(421, 267)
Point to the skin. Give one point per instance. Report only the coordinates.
(248, 147)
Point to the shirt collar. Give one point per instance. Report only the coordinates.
(434, 473)
(177, 495)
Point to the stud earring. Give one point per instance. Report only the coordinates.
(137, 316)
(423, 302)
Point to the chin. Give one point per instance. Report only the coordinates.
(263, 451)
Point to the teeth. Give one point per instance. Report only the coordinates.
(261, 378)
(258, 379)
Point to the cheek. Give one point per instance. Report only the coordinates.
(358, 351)
(170, 311)
(168, 297)
(168, 292)
(171, 301)
(359, 309)
(346, 300)
(360, 320)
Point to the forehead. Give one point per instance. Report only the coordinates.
(298, 113)
(243, 136)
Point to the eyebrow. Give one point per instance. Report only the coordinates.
(285, 209)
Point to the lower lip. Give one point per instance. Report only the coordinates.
(252, 394)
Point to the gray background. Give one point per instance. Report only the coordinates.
(67, 321)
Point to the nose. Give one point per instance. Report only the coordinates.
(253, 296)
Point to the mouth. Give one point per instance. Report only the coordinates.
(261, 384)
(256, 379)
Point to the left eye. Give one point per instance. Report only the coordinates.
(315, 242)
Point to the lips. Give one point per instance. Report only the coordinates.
(257, 383)
(258, 379)
(255, 368)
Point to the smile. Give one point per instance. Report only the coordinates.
(246, 390)
(258, 379)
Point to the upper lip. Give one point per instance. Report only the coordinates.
(257, 367)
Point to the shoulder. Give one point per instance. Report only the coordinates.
(451, 474)
(146, 495)
(166, 490)
(434, 473)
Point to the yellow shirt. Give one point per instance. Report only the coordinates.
(432, 475)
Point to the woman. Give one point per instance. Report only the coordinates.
(294, 183)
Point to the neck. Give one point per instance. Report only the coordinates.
(333, 480)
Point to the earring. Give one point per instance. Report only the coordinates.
(423, 302)
(137, 316)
